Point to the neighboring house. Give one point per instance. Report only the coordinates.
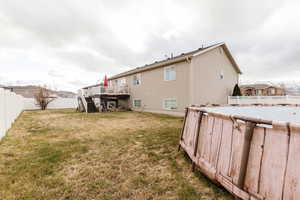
(6, 88)
(204, 76)
(261, 90)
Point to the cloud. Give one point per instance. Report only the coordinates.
(69, 43)
(55, 73)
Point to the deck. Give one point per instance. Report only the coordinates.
(103, 96)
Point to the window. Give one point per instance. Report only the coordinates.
(258, 92)
(137, 79)
(137, 103)
(273, 91)
(169, 73)
(170, 104)
(121, 82)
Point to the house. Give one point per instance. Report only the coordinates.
(203, 76)
(261, 90)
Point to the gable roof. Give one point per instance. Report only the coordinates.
(180, 58)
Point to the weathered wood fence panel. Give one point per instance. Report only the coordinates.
(252, 160)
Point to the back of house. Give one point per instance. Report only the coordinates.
(204, 76)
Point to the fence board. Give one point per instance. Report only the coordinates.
(236, 156)
(253, 162)
(274, 162)
(189, 135)
(216, 141)
(225, 150)
(292, 184)
(11, 105)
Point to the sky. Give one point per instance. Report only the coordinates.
(68, 44)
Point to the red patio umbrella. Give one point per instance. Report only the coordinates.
(105, 81)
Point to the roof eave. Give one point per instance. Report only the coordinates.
(151, 67)
(235, 65)
(180, 59)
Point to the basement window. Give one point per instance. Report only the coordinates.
(137, 103)
(170, 104)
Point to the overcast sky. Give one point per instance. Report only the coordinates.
(69, 44)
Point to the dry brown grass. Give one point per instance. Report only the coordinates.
(60, 154)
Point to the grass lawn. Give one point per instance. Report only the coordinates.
(61, 154)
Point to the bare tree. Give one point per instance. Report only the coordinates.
(43, 97)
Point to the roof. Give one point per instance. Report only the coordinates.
(258, 86)
(180, 58)
(90, 86)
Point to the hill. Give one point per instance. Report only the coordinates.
(28, 91)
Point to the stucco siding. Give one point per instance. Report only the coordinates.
(207, 86)
(207, 78)
(154, 89)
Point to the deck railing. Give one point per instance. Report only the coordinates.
(106, 90)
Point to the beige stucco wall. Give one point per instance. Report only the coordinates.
(154, 89)
(206, 85)
(197, 82)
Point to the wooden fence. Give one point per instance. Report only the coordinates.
(253, 159)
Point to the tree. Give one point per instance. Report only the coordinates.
(43, 98)
(236, 91)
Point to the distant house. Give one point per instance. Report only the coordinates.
(204, 76)
(6, 88)
(261, 90)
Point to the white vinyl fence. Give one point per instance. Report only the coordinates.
(264, 100)
(58, 103)
(11, 105)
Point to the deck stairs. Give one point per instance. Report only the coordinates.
(90, 107)
(85, 103)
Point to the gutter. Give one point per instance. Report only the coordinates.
(153, 66)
